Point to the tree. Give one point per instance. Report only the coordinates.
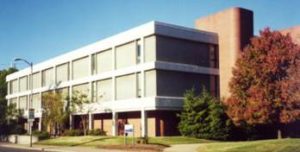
(257, 87)
(80, 103)
(5, 110)
(54, 112)
(203, 117)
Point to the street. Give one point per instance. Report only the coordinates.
(8, 149)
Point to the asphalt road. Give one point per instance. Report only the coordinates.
(6, 149)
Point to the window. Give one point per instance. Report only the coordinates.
(138, 52)
(126, 55)
(36, 101)
(23, 84)
(82, 89)
(102, 62)
(14, 101)
(150, 83)
(47, 76)
(213, 56)
(14, 86)
(102, 90)
(80, 68)
(62, 73)
(139, 85)
(23, 102)
(150, 48)
(36, 78)
(126, 87)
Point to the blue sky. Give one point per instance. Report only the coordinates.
(41, 29)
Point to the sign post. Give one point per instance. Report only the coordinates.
(128, 129)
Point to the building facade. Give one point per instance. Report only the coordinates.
(136, 77)
(139, 76)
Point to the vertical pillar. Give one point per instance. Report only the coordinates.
(91, 120)
(144, 123)
(114, 123)
(40, 124)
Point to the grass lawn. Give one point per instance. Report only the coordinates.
(107, 140)
(284, 145)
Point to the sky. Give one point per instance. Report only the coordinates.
(37, 30)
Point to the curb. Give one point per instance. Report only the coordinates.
(34, 148)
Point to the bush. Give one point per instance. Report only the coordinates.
(203, 117)
(97, 132)
(73, 132)
(42, 135)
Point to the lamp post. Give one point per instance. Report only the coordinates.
(30, 122)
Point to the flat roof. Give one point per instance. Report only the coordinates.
(150, 28)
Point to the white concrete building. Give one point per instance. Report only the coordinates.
(137, 77)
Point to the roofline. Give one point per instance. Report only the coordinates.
(147, 29)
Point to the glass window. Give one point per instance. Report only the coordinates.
(23, 84)
(150, 48)
(150, 83)
(126, 55)
(14, 86)
(36, 78)
(62, 73)
(82, 89)
(139, 85)
(48, 77)
(126, 87)
(102, 62)
(23, 102)
(80, 68)
(138, 52)
(213, 56)
(182, 51)
(36, 101)
(64, 93)
(102, 90)
(14, 101)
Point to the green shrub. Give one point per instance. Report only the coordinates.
(73, 132)
(42, 135)
(97, 132)
(203, 117)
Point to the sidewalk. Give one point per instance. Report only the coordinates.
(183, 148)
(57, 148)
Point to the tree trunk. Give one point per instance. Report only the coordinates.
(279, 131)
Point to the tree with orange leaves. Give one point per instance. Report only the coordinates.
(264, 88)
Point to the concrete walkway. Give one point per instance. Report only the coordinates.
(183, 148)
(57, 148)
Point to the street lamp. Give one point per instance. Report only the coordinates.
(30, 122)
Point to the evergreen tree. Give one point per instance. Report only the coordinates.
(204, 117)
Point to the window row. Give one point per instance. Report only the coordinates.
(153, 47)
(127, 87)
(126, 55)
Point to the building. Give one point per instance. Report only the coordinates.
(136, 77)
(139, 76)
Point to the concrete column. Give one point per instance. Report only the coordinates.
(114, 124)
(40, 124)
(91, 121)
(144, 123)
